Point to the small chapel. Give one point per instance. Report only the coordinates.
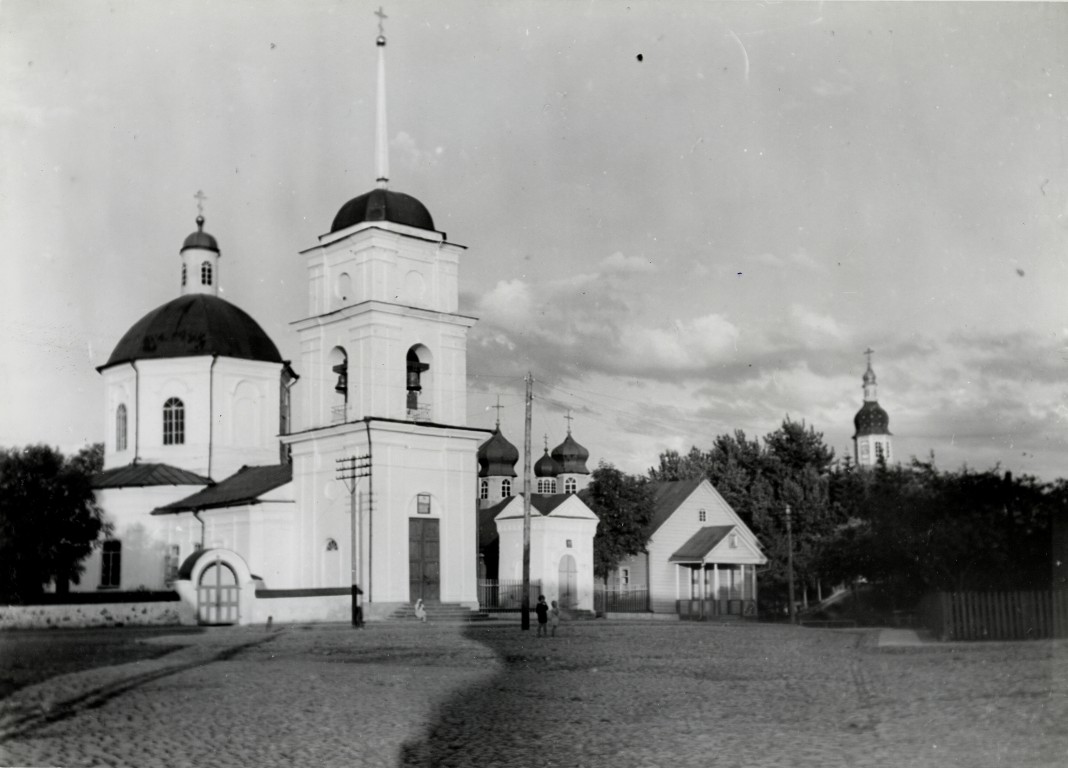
(871, 436)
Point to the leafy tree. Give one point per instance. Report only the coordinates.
(49, 519)
(624, 503)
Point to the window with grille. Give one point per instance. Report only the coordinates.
(570, 486)
(185, 271)
(111, 564)
(120, 427)
(173, 422)
(483, 489)
(701, 516)
(506, 488)
(205, 273)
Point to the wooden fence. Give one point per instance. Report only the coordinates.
(503, 595)
(996, 615)
(616, 600)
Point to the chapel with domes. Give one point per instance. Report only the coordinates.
(871, 436)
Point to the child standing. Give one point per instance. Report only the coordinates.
(542, 609)
(554, 618)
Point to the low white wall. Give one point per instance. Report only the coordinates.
(96, 615)
(300, 610)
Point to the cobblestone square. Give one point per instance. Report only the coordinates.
(600, 694)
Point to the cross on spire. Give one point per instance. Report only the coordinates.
(381, 17)
(569, 420)
(869, 352)
(498, 407)
(200, 197)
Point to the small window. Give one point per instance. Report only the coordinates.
(111, 564)
(878, 451)
(732, 540)
(624, 577)
(331, 545)
(569, 543)
(205, 273)
(422, 503)
(570, 486)
(120, 427)
(506, 488)
(483, 489)
(173, 422)
(701, 516)
(185, 275)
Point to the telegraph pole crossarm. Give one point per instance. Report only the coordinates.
(349, 471)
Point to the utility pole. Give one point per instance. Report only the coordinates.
(525, 620)
(350, 471)
(790, 564)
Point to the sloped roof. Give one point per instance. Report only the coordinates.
(700, 544)
(667, 496)
(243, 487)
(541, 503)
(142, 475)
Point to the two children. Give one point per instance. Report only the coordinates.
(547, 616)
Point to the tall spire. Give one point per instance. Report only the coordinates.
(870, 395)
(381, 135)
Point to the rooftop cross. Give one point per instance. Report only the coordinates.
(498, 407)
(200, 197)
(569, 420)
(381, 17)
(869, 352)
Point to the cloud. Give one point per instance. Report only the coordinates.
(617, 262)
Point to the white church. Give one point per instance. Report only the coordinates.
(256, 488)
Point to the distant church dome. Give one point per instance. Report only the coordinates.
(571, 457)
(383, 205)
(193, 325)
(200, 239)
(497, 457)
(546, 466)
(871, 419)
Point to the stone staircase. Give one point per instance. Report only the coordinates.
(445, 613)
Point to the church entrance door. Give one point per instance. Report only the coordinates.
(218, 594)
(424, 560)
(568, 582)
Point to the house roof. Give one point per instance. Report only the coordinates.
(700, 544)
(541, 503)
(142, 475)
(667, 496)
(243, 487)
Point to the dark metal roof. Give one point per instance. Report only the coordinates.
(571, 456)
(383, 205)
(243, 487)
(700, 544)
(541, 503)
(546, 466)
(871, 420)
(497, 457)
(142, 475)
(193, 325)
(667, 496)
(201, 239)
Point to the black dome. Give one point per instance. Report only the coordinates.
(200, 239)
(571, 456)
(193, 325)
(497, 457)
(383, 205)
(546, 466)
(871, 419)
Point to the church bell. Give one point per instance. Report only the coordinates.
(342, 371)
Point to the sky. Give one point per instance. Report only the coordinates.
(683, 218)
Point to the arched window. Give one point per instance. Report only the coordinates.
(483, 489)
(184, 275)
(506, 488)
(173, 422)
(205, 273)
(331, 545)
(570, 486)
(120, 427)
(417, 364)
(879, 452)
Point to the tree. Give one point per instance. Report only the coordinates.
(624, 504)
(49, 518)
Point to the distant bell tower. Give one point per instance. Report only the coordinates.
(871, 440)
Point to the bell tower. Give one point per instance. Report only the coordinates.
(871, 440)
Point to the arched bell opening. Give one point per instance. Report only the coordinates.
(418, 383)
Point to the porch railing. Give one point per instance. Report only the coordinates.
(505, 595)
(696, 609)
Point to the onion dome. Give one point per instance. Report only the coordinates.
(383, 205)
(571, 457)
(871, 419)
(546, 466)
(200, 239)
(193, 325)
(497, 457)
